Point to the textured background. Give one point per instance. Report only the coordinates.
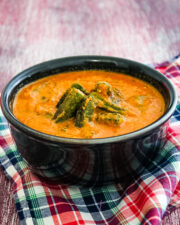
(38, 30)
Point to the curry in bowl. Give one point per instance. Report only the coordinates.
(89, 120)
(88, 104)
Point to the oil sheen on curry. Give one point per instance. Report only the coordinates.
(88, 104)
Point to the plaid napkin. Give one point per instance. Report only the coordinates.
(143, 202)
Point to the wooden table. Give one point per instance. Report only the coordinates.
(38, 30)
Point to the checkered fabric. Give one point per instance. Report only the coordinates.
(143, 202)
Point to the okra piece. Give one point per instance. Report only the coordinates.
(103, 88)
(75, 85)
(103, 104)
(62, 99)
(85, 112)
(78, 86)
(69, 105)
(109, 118)
(116, 96)
(117, 93)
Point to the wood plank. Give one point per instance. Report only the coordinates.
(172, 218)
(8, 213)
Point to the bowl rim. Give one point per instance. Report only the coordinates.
(51, 138)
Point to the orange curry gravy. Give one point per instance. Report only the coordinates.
(35, 104)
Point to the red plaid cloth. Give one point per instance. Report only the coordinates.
(143, 202)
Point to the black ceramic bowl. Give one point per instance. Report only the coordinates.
(90, 162)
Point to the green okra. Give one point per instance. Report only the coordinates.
(103, 88)
(85, 112)
(78, 86)
(103, 104)
(109, 118)
(62, 99)
(69, 105)
(75, 85)
(76, 101)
